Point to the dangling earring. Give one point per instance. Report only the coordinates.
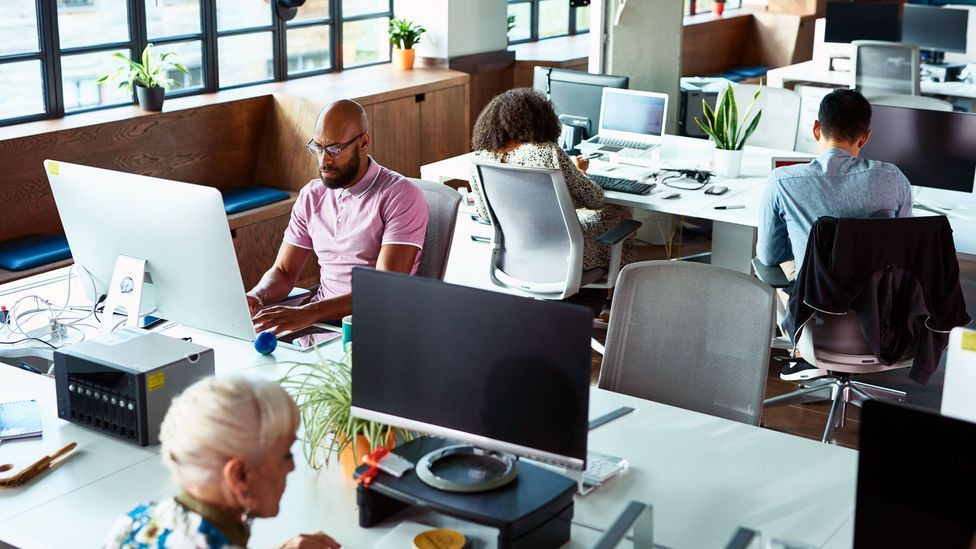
(247, 516)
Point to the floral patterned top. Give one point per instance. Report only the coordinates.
(177, 522)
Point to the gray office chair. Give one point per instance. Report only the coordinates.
(442, 206)
(912, 101)
(537, 246)
(690, 335)
(886, 68)
(833, 343)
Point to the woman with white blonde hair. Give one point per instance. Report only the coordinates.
(227, 442)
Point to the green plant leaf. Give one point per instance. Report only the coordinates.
(752, 127)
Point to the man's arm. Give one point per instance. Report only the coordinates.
(280, 278)
(393, 257)
(773, 240)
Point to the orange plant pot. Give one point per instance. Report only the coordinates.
(403, 59)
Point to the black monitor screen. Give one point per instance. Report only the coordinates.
(576, 95)
(849, 21)
(482, 364)
(934, 28)
(934, 149)
(916, 479)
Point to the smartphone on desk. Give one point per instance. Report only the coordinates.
(310, 337)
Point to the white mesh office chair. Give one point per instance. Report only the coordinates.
(690, 335)
(886, 68)
(442, 207)
(780, 115)
(537, 246)
(912, 101)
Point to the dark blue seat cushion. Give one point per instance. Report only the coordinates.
(750, 72)
(730, 76)
(246, 198)
(26, 253)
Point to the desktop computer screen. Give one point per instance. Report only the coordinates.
(576, 95)
(916, 478)
(935, 28)
(934, 149)
(634, 112)
(850, 21)
(180, 230)
(497, 371)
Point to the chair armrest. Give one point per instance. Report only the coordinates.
(619, 232)
(774, 276)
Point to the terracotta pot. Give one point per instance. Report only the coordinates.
(403, 59)
(718, 8)
(349, 461)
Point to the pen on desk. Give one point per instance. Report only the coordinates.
(735, 207)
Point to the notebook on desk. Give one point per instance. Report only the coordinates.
(631, 123)
(20, 419)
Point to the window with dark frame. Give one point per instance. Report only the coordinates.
(532, 20)
(52, 51)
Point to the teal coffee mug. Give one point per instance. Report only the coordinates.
(347, 333)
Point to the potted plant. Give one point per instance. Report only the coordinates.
(323, 391)
(149, 76)
(403, 35)
(723, 126)
(718, 6)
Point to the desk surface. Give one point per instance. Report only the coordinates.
(815, 73)
(705, 476)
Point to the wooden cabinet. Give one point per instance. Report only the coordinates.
(396, 135)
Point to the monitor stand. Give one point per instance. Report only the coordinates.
(466, 468)
(125, 291)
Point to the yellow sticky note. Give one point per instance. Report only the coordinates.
(54, 168)
(969, 341)
(156, 381)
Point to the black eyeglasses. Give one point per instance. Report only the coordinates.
(332, 150)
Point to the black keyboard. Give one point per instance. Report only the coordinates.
(622, 185)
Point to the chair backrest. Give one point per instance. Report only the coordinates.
(690, 335)
(442, 206)
(912, 101)
(780, 115)
(885, 68)
(538, 242)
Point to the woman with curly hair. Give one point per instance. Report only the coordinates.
(520, 127)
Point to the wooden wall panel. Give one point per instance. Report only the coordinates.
(283, 161)
(441, 136)
(714, 46)
(396, 142)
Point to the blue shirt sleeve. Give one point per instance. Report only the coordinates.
(773, 242)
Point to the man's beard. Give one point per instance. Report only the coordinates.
(345, 175)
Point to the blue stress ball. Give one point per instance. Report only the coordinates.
(265, 343)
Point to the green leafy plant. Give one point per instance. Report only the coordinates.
(511, 22)
(323, 391)
(404, 34)
(722, 124)
(150, 73)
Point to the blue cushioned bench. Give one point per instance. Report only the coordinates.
(246, 198)
(26, 253)
(750, 72)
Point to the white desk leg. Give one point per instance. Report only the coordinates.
(733, 246)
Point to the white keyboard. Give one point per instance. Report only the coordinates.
(623, 144)
(601, 467)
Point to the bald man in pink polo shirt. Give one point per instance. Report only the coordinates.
(357, 214)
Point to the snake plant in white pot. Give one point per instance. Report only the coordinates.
(725, 129)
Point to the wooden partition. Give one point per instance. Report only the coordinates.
(248, 136)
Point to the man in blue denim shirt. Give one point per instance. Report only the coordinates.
(837, 183)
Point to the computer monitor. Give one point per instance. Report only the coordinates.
(576, 95)
(850, 21)
(180, 230)
(633, 115)
(936, 29)
(916, 478)
(493, 370)
(936, 150)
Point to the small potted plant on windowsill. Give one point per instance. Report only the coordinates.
(722, 125)
(323, 391)
(149, 76)
(718, 6)
(404, 35)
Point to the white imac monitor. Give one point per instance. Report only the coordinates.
(179, 229)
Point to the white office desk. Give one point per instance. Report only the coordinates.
(705, 476)
(733, 233)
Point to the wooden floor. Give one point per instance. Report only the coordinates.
(806, 420)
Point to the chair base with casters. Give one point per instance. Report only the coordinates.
(834, 343)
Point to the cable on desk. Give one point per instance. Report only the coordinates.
(29, 339)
